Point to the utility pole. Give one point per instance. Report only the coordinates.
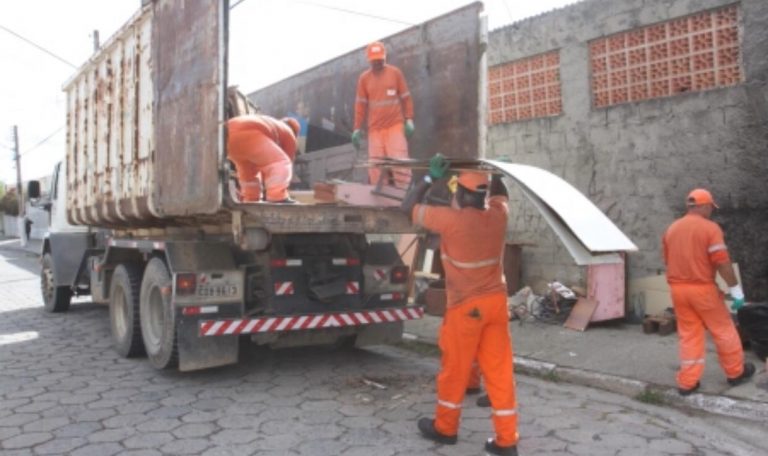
(96, 44)
(17, 157)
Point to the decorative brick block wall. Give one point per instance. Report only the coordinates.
(525, 89)
(692, 53)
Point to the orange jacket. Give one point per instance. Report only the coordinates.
(693, 248)
(243, 134)
(471, 246)
(383, 96)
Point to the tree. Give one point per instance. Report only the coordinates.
(9, 204)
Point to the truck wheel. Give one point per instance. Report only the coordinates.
(55, 299)
(124, 310)
(158, 322)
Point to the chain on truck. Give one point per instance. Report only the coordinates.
(143, 218)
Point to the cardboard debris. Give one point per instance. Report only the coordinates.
(581, 314)
(356, 194)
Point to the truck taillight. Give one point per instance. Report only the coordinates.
(399, 274)
(346, 261)
(284, 262)
(186, 283)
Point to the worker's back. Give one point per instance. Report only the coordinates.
(471, 247)
(693, 246)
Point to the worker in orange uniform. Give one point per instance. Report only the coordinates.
(694, 250)
(261, 145)
(382, 95)
(475, 326)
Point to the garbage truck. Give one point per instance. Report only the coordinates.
(144, 218)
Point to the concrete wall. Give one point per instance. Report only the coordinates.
(638, 161)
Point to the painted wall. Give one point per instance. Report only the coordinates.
(637, 161)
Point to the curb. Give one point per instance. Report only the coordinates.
(636, 389)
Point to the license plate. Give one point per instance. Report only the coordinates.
(217, 291)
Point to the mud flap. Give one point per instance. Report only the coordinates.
(196, 352)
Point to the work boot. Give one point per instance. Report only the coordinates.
(689, 391)
(749, 370)
(472, 390)
(492, 448)
(483, 401)
(427, 428)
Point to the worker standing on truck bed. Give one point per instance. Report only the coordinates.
(262, 145)
(475, 325)
(382, 95)
(694, 250)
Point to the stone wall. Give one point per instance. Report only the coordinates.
(637, 161)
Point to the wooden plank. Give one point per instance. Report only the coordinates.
(581, 314)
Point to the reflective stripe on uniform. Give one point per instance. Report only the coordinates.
(361, 100)
(405, 95)
(504, 412)
(449, 405)
(420, 215)
(472, 264)
(714, 248)
(376, 104)
(690, 362)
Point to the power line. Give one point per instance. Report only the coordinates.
(509, 12)
(45, 140)
(343, 10)
(28, 41)
(356, 13)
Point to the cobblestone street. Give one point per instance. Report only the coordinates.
(63, 390)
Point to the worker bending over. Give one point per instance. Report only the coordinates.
(475, 325)
(694, 250)
(261, 145)
(383, 96)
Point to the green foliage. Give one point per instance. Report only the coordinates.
(9, 204)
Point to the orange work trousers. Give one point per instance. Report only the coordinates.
(477, 329)
(390, 143)
(700, 307)
(263, 157)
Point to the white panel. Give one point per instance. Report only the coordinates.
(587, 223)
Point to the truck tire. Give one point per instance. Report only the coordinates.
(158, 319)
(124, 291)
(55, 299)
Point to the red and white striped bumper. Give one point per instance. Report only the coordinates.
(300, 322)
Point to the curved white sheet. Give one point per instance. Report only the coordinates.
(588, 224)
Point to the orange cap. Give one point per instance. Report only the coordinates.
(293, 123)
(700, 196)
(474, 181)
(376, 51)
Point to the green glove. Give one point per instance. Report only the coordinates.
(409, 128)
(438, 166)
(737, 304)
(356, 136)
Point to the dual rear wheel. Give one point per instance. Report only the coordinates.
(141, 313)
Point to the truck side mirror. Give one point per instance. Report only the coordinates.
(33, 189)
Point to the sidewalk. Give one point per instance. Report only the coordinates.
(13, 243)
(621, 359)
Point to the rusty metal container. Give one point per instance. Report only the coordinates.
(146, 118)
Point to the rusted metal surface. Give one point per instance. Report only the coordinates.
(441, 63)
(144, 119)
(188, 46)
(109, 129)
(326, 219)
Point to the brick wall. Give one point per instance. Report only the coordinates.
(636, 152)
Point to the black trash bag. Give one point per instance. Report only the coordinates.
(753, 322)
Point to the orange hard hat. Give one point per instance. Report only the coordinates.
(474, 181)
(700, 196)
(376, 51)
(293, 123)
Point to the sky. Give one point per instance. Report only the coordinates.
(269, 41)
